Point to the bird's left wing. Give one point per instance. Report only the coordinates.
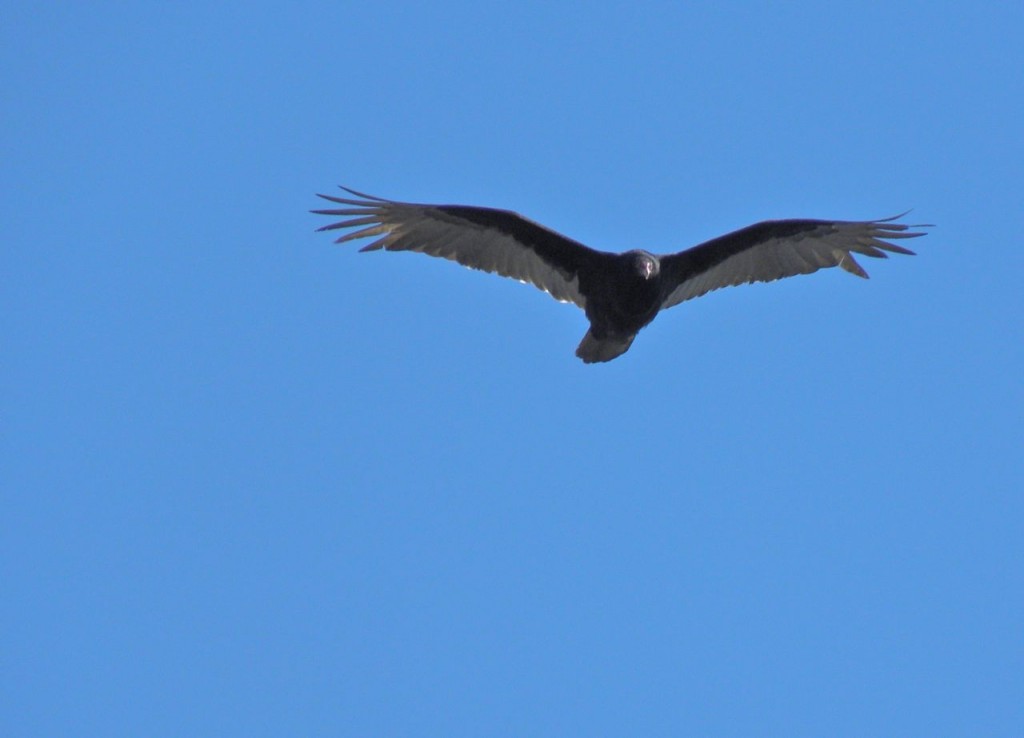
(491, 240)
(775, 249)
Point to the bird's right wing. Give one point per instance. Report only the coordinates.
(491, 240)
(775, 249)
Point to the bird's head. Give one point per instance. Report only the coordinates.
(645, 264)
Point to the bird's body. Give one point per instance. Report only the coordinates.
(624, 296)
(620, 293)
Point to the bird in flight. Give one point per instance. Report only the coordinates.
(620, 293)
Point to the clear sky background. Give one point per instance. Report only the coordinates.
(254, 484)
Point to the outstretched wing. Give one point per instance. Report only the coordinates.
(775, 249)
(491, 240)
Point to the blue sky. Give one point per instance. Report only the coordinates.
(257, 484)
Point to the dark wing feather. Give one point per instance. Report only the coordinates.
(491, 240)
(775, 249)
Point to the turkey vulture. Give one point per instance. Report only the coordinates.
(620, 293)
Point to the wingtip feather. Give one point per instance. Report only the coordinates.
(849, 264)
(363, 195)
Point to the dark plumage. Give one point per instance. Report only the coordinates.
(620, 293)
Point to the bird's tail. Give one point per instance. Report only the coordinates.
(592, 349)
